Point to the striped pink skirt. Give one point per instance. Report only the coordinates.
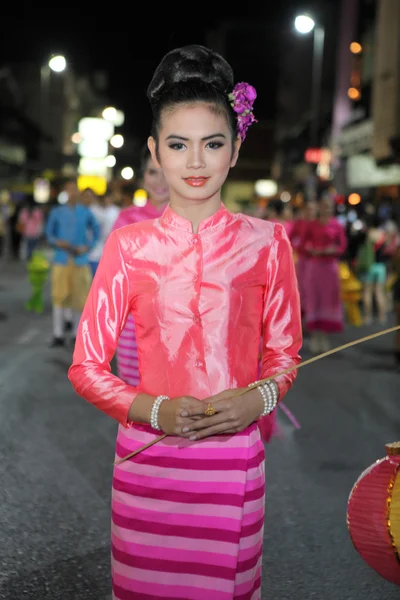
(188, 517)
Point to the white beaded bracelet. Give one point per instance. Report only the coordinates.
(269, 393)
(154, 411)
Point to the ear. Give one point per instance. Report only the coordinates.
(152, 146)
(236, 147)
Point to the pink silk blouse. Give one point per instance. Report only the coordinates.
(200, 303)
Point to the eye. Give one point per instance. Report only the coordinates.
(176, 146)
(214, 145)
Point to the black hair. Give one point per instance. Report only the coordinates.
(191, 74)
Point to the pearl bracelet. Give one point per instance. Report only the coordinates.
(154, 411)
(269, 393)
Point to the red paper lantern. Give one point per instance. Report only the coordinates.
(373, 515)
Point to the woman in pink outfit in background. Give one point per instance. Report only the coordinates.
(297, 237)
(324, 243)
(154, 183)
(203, 286)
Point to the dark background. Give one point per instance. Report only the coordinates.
(127, 41)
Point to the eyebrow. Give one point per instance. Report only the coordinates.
(204, 139)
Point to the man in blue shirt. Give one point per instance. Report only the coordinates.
(72, 231)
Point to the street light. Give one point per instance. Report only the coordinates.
(58, 63)
(55, 64)
(305, 24)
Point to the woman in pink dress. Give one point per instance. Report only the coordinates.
(154, 183)
(324, 243)
(297, 237)
(203, 286)
(31, 224)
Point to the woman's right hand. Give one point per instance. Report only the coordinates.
(169, 414)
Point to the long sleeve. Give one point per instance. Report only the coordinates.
(282, 332)
(103, 318)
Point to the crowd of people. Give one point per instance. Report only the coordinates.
(78, 230)
(322, 243)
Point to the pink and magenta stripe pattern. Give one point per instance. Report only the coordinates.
(188, 517)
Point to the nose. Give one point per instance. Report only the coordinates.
(195, 158)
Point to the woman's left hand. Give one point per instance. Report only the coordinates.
(234, 413)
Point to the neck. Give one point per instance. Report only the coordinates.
(196, 211)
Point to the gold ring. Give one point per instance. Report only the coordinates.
(210, 411)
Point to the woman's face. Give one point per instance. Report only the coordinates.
(194, 151)
(154, 183)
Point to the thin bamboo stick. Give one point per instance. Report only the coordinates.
(262, 381)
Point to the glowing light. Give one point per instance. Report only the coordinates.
(357, 225)
(110, 161)
(95, 183)
(95, 129)
(140, 197)
(266, 188)
(285, 197)
(93, 148)
(355, 48)
(114, 116)
(109, 113)
(58, 63)
(304, 24)
(354, 199)
(127, 173)
(353, 93)
(76, 138)
(62, 197)
(41, 190)
(117, 141)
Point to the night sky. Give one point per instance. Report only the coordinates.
(131, 55)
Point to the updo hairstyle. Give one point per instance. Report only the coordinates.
(188, 75)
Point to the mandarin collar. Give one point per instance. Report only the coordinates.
(172, 219)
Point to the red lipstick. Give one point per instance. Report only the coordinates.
(196, 181)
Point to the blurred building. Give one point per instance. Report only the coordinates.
(366, 125)
(306, 72)
(39, 113)
(20, 135)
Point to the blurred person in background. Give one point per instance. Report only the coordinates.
(30, 225)
(106, 213)
(153, 181)
(72, 231)
(306, 215)
(370, 264)
(324, 243)
(280, 212)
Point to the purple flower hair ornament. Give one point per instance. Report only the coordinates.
(242, 99)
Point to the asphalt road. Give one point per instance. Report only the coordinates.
(56, 454)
